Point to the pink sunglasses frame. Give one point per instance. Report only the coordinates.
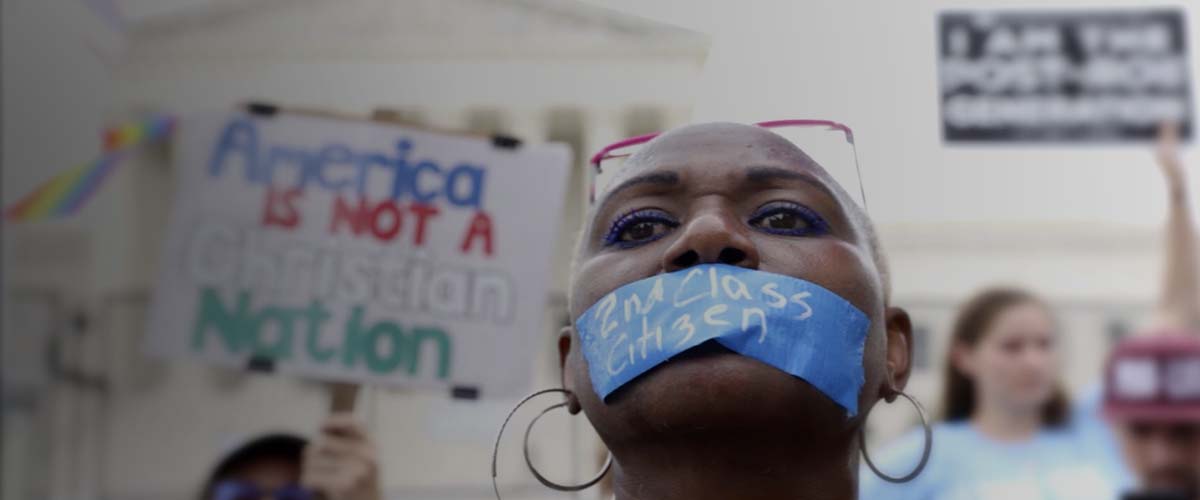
(604, 152)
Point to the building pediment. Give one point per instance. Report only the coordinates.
(405, 30)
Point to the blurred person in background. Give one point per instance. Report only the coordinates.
(1004, 434)
(1152, 397)
(710, 423)
(339, 465)
(1152, 382)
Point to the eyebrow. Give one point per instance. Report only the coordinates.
(655, 178)
(754, 175)
(763, 175)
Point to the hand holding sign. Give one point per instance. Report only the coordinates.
(341, 463)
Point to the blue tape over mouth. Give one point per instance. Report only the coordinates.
(794, 325)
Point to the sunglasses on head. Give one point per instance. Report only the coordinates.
(829, 143)
(243, 490)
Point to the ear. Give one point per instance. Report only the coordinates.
(567, 377)
(899, 352)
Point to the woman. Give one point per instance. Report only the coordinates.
(340, 465)
(710, 423)
(1004, 434)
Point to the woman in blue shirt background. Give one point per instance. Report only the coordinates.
(1004, 434)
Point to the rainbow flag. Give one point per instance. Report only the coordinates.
(67, 192)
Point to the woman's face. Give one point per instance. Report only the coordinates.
(1015, 363)
(739, 195)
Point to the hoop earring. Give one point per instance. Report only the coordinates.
(529, 462)
(862, 444)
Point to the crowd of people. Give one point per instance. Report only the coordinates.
(714, 424)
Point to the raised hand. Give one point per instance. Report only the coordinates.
(1167, 154)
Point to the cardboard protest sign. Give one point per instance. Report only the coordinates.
(358, 251)
(1063, 76)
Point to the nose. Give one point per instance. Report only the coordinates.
(713, 237)
(1036, 356)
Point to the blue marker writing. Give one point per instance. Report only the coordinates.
(336, 168)
(789, 323)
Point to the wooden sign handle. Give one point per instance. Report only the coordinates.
(342, 396)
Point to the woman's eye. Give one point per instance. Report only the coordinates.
(642, 231)
(788, 219)
(783, 221)
(639, 227)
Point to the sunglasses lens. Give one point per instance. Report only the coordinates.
(294, 492)
(827, 150)
(610, 164)
(235, 490)
(832, 155)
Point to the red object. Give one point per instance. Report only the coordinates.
(1154, 377)
(480, 228)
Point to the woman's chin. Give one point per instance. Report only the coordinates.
(716, 390)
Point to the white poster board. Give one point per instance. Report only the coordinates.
(358, 251)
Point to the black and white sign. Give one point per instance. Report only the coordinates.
(1063, 76)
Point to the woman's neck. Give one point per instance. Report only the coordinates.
(708, 470)
(1006, 425)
